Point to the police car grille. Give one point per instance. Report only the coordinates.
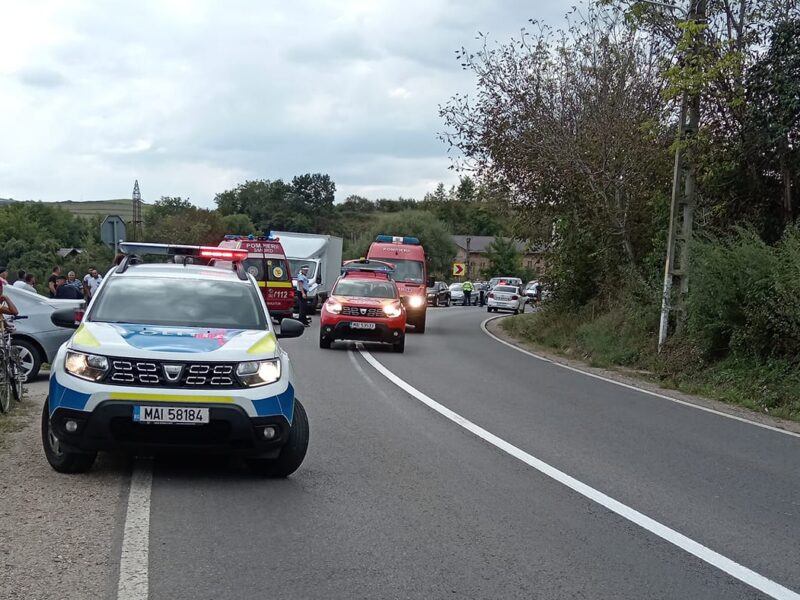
(356, 311)
(172, 374)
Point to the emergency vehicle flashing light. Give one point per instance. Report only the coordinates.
(143, 249)
(394, 239)
(252, 238)
(235, 255)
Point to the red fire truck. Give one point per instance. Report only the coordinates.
(266, 261)
(408, 258)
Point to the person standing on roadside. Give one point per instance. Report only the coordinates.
(467, 293)
(51, 281)
(28, 283)
(65, 291)
(91, 282)
(73, 281)
(4, 275)
(301, 293)
(6, 305)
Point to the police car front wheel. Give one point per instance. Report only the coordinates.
(61, 459)
(292, 453)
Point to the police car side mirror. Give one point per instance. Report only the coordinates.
(66, 317)
(290, 328)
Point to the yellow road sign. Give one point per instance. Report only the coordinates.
(459, 269)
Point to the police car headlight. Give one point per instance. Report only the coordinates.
(416, 301)
(259, 372)
(86, 366)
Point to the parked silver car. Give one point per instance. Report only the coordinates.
(36, 337)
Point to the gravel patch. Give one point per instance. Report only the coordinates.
(58, 534)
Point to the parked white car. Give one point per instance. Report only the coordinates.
(506, 297)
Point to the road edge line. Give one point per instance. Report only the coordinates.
(707, 555)
(134, 560)
(629, 386)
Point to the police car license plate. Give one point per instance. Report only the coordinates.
(170, 415)
(503, 298)
(357, 325)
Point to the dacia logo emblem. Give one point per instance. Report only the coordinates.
(173, 372)
(363, 311)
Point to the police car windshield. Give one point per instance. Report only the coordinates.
(180, 303)
(407, 270)
(365, 289)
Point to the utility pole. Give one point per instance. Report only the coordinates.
(469, 240)
(137, 211)
(683, 200)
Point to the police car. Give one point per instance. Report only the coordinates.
(175, 357)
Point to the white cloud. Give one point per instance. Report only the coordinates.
(194, 96)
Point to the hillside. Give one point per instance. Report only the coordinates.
(122, 207)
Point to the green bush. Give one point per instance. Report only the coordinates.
(743, 297)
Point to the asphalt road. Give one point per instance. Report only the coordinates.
(396, 501)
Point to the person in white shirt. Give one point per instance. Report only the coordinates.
(28, 283)
(91, 282)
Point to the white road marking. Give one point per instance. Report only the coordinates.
(133, 577)
(632, 387)
(732, 568)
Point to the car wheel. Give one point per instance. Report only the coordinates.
(293, 452)
(29, 357)
(516, 311)
(324, 342)
(436, 301)
(400, 346)
(59, 458)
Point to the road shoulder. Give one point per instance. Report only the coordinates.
(57, 532)
(626, 378)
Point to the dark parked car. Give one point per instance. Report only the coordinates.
(439, 294)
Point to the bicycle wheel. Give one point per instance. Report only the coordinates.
(5, 386)
(17, 375)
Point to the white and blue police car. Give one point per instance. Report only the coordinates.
(175, 356)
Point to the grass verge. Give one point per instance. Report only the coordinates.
(623, 338)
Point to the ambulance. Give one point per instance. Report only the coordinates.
(267, 263)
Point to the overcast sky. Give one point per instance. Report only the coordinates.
(191, 97)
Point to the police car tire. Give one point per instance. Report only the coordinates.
(293, 452)
(63, 461)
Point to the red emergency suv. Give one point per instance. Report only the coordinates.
(266, 261)
(364, 305)
(411, 275)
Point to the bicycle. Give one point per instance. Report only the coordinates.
(12, 375)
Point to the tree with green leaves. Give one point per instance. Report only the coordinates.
(504, 259)
(177, 221)
(239, 225)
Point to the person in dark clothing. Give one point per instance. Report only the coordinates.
(51, 281)
(64, 291)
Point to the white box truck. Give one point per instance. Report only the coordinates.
(323, 256)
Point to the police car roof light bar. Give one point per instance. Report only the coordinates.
(394, 239)
(134, 250)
